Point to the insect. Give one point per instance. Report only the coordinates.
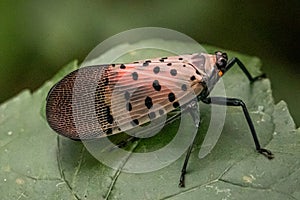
(123, 96)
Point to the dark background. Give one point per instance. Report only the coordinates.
(38, 37)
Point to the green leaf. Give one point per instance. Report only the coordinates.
(36, 163)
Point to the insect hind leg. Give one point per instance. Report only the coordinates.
(237, 102)
(192, 109)
(183, 170)
(244, 69)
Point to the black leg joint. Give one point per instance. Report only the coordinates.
(262, 76)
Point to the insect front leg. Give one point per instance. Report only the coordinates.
(237, 102)
(244, 69)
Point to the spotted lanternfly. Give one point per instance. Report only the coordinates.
(135, 88)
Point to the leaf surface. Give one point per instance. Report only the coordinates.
(36, 163)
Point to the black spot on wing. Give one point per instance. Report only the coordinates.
(156, 85)
(152, 115)
(176, 104)
(171, 97)
(135, 122)
(173, 72)
(128, 106)
(184, 87)
(135, 76)
(161, 111)
(148, 102)
(156, 69)
(123, 66)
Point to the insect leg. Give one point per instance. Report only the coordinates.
(191, 108)
(244, 69)
(238, 102)
(183, 170)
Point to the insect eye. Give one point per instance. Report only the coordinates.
(224, 55)
(221, 64)
(221, 60)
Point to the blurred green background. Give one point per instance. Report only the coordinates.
(39, 37)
